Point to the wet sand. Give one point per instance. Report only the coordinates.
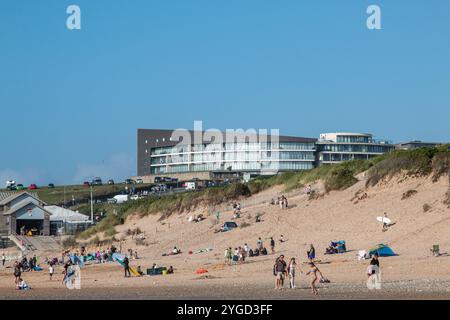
(391, 291)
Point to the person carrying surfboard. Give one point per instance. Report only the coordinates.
(385, 222)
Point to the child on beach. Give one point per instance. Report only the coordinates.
(50, 271)
(291, 272)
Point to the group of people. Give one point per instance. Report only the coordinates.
(281, 201)
(281, 270)
(18, 281)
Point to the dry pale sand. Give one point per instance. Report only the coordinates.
(414, 273)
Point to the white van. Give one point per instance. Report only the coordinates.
(190, 185)
(10, 184)
(121, 198)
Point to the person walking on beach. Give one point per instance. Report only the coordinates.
(259, 244)
(272, 245)
(279, 270)
(385, 224)
(50, 271)
(313, 272)
(126, 265)
(3, 259)
(17, 272)
(291, 271)
(229, 256)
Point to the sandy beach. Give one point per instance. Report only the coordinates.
(414, 274)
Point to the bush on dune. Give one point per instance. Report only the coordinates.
(419, 162)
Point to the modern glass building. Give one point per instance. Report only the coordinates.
(338, 147)
(160, 155)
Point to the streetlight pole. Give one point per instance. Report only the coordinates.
(92, 205)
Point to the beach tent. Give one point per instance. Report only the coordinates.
(382, 250)
(229, 226)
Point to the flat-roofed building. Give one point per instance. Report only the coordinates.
(338, 147)
(225, 155)
(416, 144)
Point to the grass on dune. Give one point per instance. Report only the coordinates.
(419, 162)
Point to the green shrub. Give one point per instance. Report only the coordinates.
(244, 225)
(447, 199)
(416, 162)
(408, 194)
(440, 165)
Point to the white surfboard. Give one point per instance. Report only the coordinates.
(384, 220)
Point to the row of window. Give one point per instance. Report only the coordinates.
(233, 166)
(338, 157)
(234, 156)
(354, 148)
(234, 146)
(352, 139)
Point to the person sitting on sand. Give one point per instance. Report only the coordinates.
(313, 272)
(139, 270)
(311, 253)
(22, 285)
(282, 239)
(170, 270)
(176, 250)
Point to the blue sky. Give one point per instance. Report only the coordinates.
(71, 101)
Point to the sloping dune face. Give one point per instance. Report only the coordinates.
(415, 206)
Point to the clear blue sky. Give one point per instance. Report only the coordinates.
(71, 101)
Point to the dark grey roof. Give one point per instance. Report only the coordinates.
(159, 134)
(24, 205)
(11, 196)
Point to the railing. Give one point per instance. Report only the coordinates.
(21, 242)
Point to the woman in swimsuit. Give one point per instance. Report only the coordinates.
(313, 272)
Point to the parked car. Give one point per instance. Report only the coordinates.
(135, 197)
(158, 179)
(32, 187)
(87, 184)
(111, 182)
(97, 182)
(20, 187)
(130, 181)
(51, 186)
(139, 181)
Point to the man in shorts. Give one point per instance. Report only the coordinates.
(279, 270)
